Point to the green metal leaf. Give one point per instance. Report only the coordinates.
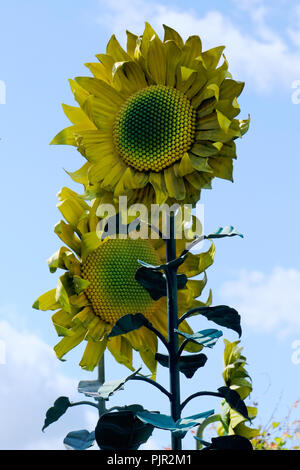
(128, 323)
(108, 388)
(79, 440)
(232, 442)
(234, 400)
(228, 231)
(122, 430)
(175, 263)
(89, 387)
(188, 365)
(222, 315)
(58, 409)
(155, 282)
(206, 338)
(178, 428)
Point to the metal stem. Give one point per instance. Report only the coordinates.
(171, 275)
(101, 378)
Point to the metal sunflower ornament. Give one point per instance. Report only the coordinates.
(157, 122)
(99, 287)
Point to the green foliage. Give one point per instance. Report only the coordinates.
(188, 365)
(122, 430)
(279, 435)
(58, 409)
(79, 440)
(234, 413)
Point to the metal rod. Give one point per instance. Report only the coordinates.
(155, 384)
(199, 394)
(101, 378)
(171, 275)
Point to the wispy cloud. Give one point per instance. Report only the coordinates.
(267, 302)
(30, 382)
(258, 54)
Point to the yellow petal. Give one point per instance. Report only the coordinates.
(172, 35)
(175, 186)
(115, 50)
(157, 60)
(92, 354)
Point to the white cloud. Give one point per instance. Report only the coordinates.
(268, 303)
(30, 382)
(259, 55)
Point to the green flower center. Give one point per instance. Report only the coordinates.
(154, 128)
(113, 290)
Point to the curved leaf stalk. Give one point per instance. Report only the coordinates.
(201, 428)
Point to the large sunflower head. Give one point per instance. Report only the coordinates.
(157, 122)
(99, 287)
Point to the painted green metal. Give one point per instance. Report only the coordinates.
(173, 324)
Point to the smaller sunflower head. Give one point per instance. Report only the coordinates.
(156, 122)
(99, 287)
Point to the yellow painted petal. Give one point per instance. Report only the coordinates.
(175, 186)
(89, 243)
(191, 50)
(97, 330)
(200, 180)
(204, 149)
(222, 167)
(92, 354)
(200, 163)
(99, 71)
(172, 35)
(80, 94)
(211, 58)
(157, 60)
(108, 95)
(77, 116)
(147, 36)
(185, 165)
(67, 136)
(80, 176)
(47, 301)
(173, 56)
(121, 350)
(230, 89)
(70, 342)
(209, 121)
(84, 317)
(66, 233)
(115, 50)
(62, 318)
(218, 135)
(72, 210)
(131, 43)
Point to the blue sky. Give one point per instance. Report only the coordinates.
(44, 44)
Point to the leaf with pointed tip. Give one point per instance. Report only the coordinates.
(122, 430)
(58, 409)
(221, 315)
(89, 387)
(79, 440)
(188, 365)
(228, 231)
(108, 388)
(178, 428)
(155, 282)
(234, 401)
(175, 263)
(128, 323)
(207, 338)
